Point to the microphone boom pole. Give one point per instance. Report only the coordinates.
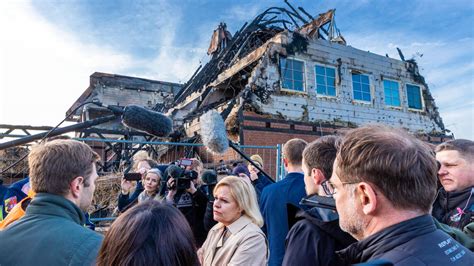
(58, 131)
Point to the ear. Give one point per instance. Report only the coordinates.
(317, 176)
(76, 186)
(367, 198)
(285, 162)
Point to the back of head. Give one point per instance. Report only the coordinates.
(321, 153)
(245, 196)
(209, 177)
(150, 233)
(465, 148)
(396, 163)
(54, 164)
(293, 151)
(240, 169)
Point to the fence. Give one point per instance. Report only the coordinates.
(108, 186)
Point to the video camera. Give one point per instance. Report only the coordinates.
(182, 178)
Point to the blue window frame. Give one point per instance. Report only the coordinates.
(325, 80)
(392, 93)
(292, 74)
(414, 97)
(361, 87)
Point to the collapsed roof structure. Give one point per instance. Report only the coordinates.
(289, 72)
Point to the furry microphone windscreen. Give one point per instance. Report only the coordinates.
(151, 122)
(213, 132)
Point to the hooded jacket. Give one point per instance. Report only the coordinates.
(314, 239)
(52, 232)
(411, 242)
(455, 209)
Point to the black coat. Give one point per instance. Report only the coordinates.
(455, 209)
(314, 239)
(412, 242)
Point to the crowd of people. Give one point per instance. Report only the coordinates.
(373, 196)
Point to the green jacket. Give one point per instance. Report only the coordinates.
(52, 232)
(462, 237)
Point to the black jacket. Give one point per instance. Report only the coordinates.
(127, 201)
(455, 209)
(193, 206)
(314, 239)
(412, 242)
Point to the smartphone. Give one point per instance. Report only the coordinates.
(132, 176)
(185, 162)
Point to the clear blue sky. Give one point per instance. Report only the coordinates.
(49, 48)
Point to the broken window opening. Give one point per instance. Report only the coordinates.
(361, 87)
(414, 97)
(392, 93)
(325, 80)
(292, 74)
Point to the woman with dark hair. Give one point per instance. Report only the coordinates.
(150, 233)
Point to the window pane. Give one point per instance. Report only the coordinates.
(287, 84)
(396, 102)
(320, 70)
(320, 80)
(357, 95)
(287, 74)
(297, 65)
(321, 89)
(356, 86)
(298, 75)
(366, 97)
(298, 85)
(332, 91)
(330, 72)
(355, 78)
(365, 88)
(331, 82)
(364, 79)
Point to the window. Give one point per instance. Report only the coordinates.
(292, 72)
(392, 93)
(325, 80)
(361, 87)
(414, 97)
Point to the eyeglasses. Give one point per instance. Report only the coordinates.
(329, 188)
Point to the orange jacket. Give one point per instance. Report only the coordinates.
(18, 211)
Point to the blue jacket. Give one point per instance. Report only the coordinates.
(412, 242)
(52, 232)
(273, 205)
(126, 201)
(260, 183)
(14, 194)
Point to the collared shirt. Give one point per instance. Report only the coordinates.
(245, 244)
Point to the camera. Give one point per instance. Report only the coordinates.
(182, 178)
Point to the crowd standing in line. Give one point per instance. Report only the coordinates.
(383, 180)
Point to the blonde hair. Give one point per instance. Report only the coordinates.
(245, 196)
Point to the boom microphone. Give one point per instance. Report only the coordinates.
(214, 137)
(213, 132)
(145, 120)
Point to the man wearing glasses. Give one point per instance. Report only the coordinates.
(384, 183)
(314, 239)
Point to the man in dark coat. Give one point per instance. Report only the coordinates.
(454, 205)
(52, 232)
(276, 197)
(384, 182)
(314, 239)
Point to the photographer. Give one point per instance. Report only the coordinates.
(190, 200)
(126, 200)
